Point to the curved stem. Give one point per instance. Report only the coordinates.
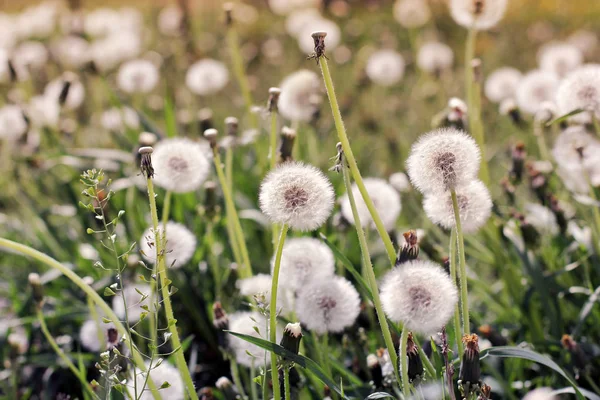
(273, 310)
(453, 274)
(404, 360)
(368, 267)
(464, 301)
(89, 291)
(341, 131)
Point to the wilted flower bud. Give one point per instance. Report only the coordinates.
(273, 99)
(415, 365)
(410, 248)
(211, 136)
(206, 393)
(37, 289)
(146, 162)
(518, 155)
(579, 358)
(221, 323)
(292, 334)
(287, 144)
(470, 370)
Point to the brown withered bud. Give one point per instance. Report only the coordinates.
(112, 337)
(410, 248)
(578, 357)
(37, 289)
(486, 392)
(495, 338)
(518, 155)
(221, 323)
(558, 212)
(509, 107)
(319, 39)
(146, 161)
(478, 7)
(206, 393)
(273, 99)
(446, 264)
(228, 8)
(531, 236)
(288, 135)
(508, 189)
(470, 369)
(538, 183)
(415, 365)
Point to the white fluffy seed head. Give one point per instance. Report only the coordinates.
(12, 122)
(580, 89)
(299, 92)
(541, 218)
(480, 14)
(559, 58)
(411, 14)
(442, 160)
(400, 182)
(43, 111)
(419, 294)
(304, 260)
(474, 203)
(435, 57)
(169, 20)
(385, 198)
(285, 7)
(181, 245)
(137, 76)
(75, 95)
(307, 43)
(586, 41)
(540, 394)
(133, 300)
(244, 322)
(31, 55)
(298, 19)
(206, 77)
(89, 336)
(534, 89)
(502, 83)
(328, 305)
(165, 372)
(180, 164)
(298, 195)
(257, 284)
(385, 67)
(577, 154)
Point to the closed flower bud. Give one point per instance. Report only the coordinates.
(415, 365)
(227, 388)
(292, 334)
(410, 248)
(37, 289)
(470, 369)
(288, 135)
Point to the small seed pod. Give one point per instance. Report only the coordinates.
(287, 144)
(410, 248)
(292, 334)
(470, 370)
(273, 99)
(211, 135)
(37, 289)
(319, 38)
(415, 365)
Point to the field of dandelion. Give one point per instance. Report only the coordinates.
(175, 221)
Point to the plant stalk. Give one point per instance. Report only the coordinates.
(464, 301)
(458, 333)
(404, 360)
(240, 73)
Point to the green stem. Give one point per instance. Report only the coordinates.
(95, 318)
(246, 267)
(273, 163)
(229, 167)
(160, 242)
(235, 374)
(213, 260)
(364, 249)
(166, 211)
(538, 132)
(253, 391)
(273, 310)
(453, 274)
(404, 360)
(230, 226)
(85, 385)
(240, 74)
(89, 291)
(341, 131)
(286, 383)
(464, 301)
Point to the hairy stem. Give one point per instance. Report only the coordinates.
(458, 333)
(404, 360)
(273, 163)
(464, 301)
(286, 383)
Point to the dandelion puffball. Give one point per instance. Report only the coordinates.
(75, 95)
(478, 14)
(411, 14)
(165, 372)
(541, 218)
(169, 20)
(116, 119)
(474, 204)
(580, 89)
(435, 57)
(304, 260)
(137, 76)
(298, 195)
(206, 77)
(89, 335)
(536, 88)
(420, 294)
(577, 154)
(400, 182)
(181, 165)
(12, 122)
(300, 95)
(181, 245)
(385, 67)
(540, 394)
(385, 198)
(244, 322)
(134, 301)
(559, 58)
(502, 83)
(442, 160)
(328, 305)
(71, 51)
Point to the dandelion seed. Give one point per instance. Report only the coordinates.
(442, 160)
(559, 58)
(206, 77)
(299, 92)
(420, 294)
(540, 394)
(244, 322)
(385, 67)
(474, 204)
(298, 195)
(478, 14)
(181, 165)
(328, 305)
(12, 122)
(75, 94)
(164, 372)
(411, 14)
(535, 88)
(502, 83)
(137, 76)
(181, 245)
(435, 57)
(580, 89)
(134, 301)
(385, 198)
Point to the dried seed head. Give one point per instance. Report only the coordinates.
(559, 58)
(410, 248)
(297, 92)
(181, 165)
(273, 99)
(435, 57)
(580, 89)
(415, 365)
(470, 369)
(137, 76)
(228, 8)
(180, 245)
(206, 77)
(146, 161)
(385, 67)
(411, 14)
(288, 135)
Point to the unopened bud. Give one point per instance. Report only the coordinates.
(470, 369)
(287, 143)
(221, 323)
(146, 161)
(211, 135)
(410, 248)
(415, 365)
(273, 99)
(37, 289)
(292, 334)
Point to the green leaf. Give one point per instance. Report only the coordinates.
(165, 385)
(586, 310)
(585, 392)
(109, 292)
(566, 116)
(525, 354)
(379, 395)
(300, 360)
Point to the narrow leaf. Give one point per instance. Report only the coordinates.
(566, 116)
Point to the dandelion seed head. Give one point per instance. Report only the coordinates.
(181, 165)
(411, 14)
(137, 76)
(31, 55)
(304, 260)
(181, 245)
(535, 88)
(480, 14)
(297, 20)
(580, 89)
(165, 372)
(285, 7)
(297, 98)
(419, 294)
(540, 394)
(400, 182)
(502, 83)
(43, 111)
(474, 204)
(116, 119)
(443, 159)
(260, 285)
(134, 301)
(435, 57)
(541, 218)
(559, 58)
(298, 195)
(206, 77)
(12, 122)
(328, 305)
(75, 95)
(585, 41)
(575, 147)
(385, 198)
(244, 322)
(385, 67)
(169, 20)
